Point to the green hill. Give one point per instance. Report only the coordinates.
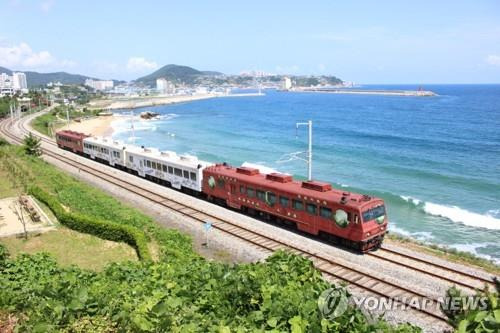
(175, 73)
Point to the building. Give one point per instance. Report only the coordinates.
(99, 84)
(164, 86)
(11, 84)
(287, 83)
(19, 81)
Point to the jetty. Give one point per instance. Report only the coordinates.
(410, 93)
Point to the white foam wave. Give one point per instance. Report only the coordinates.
(262, 168)
(125, 125)
(409, 199)
(344, 185)
(473, 248)
(457, 214)
(493, 213)
(397, 230)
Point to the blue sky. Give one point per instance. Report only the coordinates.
(361, 41)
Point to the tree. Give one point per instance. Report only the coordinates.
(32, 145)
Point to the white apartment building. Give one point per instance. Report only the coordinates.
(164, 86)
(99, 84)
(287, 83)
(19, 81)
(10, 84)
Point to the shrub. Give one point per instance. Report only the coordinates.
(4, 254)
(95, 226)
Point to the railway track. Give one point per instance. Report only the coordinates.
(332, 268)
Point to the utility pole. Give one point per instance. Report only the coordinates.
(67, 116)
(133, 130)
(309, 150)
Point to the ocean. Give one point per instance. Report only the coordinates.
(434, 160)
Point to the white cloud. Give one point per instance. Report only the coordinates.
(139, 64)
(493, 60)
(21, 56)
(46, 5)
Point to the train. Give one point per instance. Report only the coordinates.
(356, 221)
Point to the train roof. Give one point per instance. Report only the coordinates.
(106, 141)
(72, 134)
(168, 156)
(315, 190)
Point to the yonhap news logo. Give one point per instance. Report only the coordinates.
(333, 302)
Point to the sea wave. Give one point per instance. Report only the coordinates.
(473, 248)
(423, 236)
(460, 215)
(411, 200)
(489, 220)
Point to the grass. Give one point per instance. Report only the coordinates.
(56, 118)
(6, 187)
(446, 253)
(24, 171)
(72, 248)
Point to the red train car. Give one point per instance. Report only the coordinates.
(70, 140)
(354, 220)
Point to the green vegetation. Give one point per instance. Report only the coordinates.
(179, 291)
(467, 319)
(175, 73)
(5, 106)
(48, 123)
(447, 253)
(94, 225)
(72, 248)
(32, 145)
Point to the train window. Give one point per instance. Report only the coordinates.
(260, 195)
(242, 189)
(186, 174)
(311, 209)
(374, 213)
(297, 204)
(131, 159)
(325, 212)
(250, 192)
(178, 172)
(153, 165)
(193, 176)
(170, 169)
(220, 182)
(148, 163)
(270, 198)
(284, 201)
(164, 167)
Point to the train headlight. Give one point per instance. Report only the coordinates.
(368, 234)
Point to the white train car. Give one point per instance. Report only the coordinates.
(166, 167)
(105, 150)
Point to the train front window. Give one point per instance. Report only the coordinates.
(373, 213)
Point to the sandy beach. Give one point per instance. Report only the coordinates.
(98, 126)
